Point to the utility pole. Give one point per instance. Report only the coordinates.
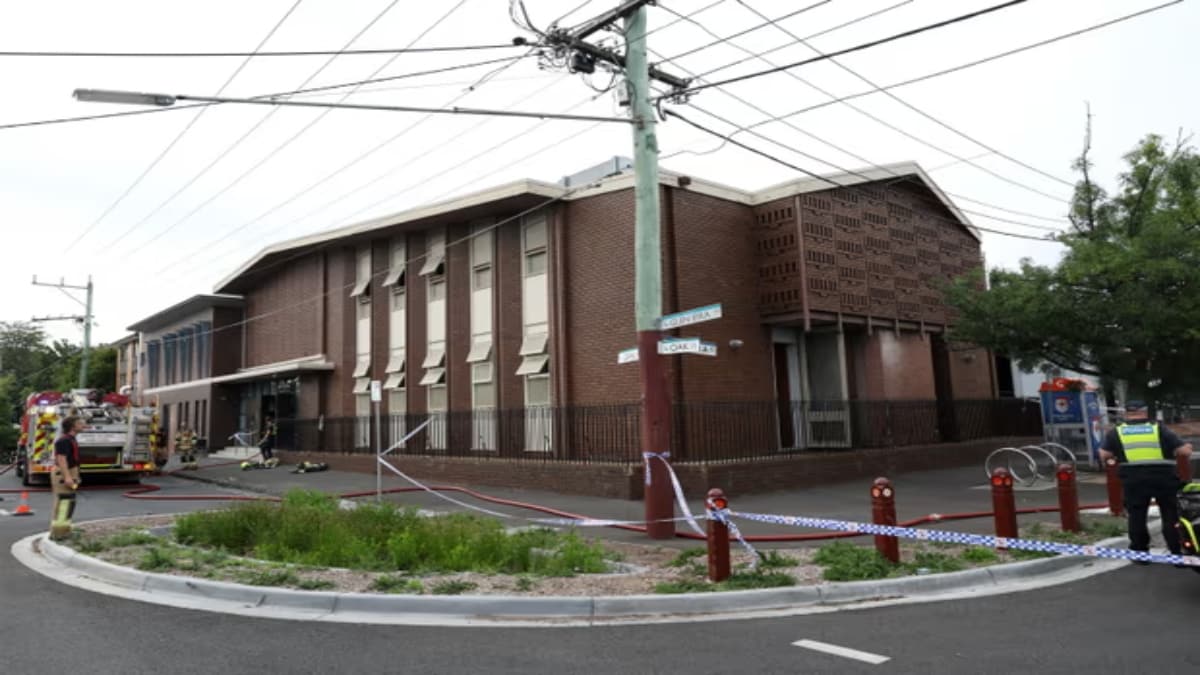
(85, 318)
(656, 403)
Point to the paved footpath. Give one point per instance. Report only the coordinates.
(917, 494)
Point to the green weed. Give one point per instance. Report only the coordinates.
(775, 560)
(157, 558)
(395, 584)
(934, 562)
(525, 584)
(741, 581)
(980, 554)
(847, 562)
(314, 584)
(269, 577)
(453, 587)
(687, 556)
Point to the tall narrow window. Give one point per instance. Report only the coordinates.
(434, 377)
(534, 353)
(483, 387)
(362, 309)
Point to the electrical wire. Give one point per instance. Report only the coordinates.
(740, 33)
(258, 54)
(856, 48)
(895, 97)
(291, 139)
(183, 132)
(825, 179)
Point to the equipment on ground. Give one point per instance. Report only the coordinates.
(119, 438)
(256, 464)
(310, 467)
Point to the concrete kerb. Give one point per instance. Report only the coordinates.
(194, 593)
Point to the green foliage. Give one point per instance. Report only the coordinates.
(453, 587)
(741, 581)
(980, 554)
(933, 561)
(776, 560)
(309, 529)
(269, 577)
(687, 556)
(525, 583)
(1122, 302)
(848, 562)
(314, 584)
(157, 558)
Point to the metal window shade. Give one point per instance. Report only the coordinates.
(360, 288)
(481, 349)
(395, 364)
(394, 278)
(362, 366)
(435, 358)
(362, 385)
(534, 365)
(433, 376)
(434, 264)
(534, 343)
(394, 381)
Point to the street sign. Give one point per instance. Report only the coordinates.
(691, 316)
(669, 346)
(376, 391)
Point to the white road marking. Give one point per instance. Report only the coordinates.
(845, 652)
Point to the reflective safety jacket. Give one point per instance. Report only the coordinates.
(1142, 444)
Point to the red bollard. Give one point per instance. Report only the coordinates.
(883, 512)
(1068, 499)
(1004, 504)
(1184, 466)
(718, 537)
(1116, 501)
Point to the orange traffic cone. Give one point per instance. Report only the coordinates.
(23, 508)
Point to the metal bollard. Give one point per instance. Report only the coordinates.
(1004, 505)
(1068, 499)
(1116, 501)
(883, 512)
(1184, 466)
(718, 537)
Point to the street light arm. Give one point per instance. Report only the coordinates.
(123, 97)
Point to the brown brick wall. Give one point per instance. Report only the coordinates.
(226, 340)
(903, 365)
(971, 373)
(509, 324)
(458, 319)
(339, 332)
(283, 307)
(418, 292)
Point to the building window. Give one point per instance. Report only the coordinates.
(397, 414)
(397, 260)
(435, 255)
(435, 322)
(362, 272)
(534, 353)
(397, 327)
(362, 338)
(362, 413)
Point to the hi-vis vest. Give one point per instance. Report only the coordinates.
(1142, 444)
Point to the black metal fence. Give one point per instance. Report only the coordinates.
(701, 432)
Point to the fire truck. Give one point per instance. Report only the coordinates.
(119, 438)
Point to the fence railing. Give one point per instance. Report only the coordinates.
(701, 432)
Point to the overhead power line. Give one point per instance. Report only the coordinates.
(849, 50)
(345, 52)
(810, 173)
(182, 132)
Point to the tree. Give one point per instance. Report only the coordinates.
(1124, 302)
(27, 361)
(102, 367)
(8, 433)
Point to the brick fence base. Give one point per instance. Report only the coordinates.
(624, 481)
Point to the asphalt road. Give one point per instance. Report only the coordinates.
(1138, 619)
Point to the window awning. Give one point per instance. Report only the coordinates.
(395, 364)
(433, 376)
(362, 366)
(534, 343)
(435, 358)
(435, 263)
(481, 349)
(315, 363)
(360, 288)
(394, 381)
(394, 278)
(534, 365)
(362, 385)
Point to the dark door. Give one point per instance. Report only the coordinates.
(783, 397)
(944, 389)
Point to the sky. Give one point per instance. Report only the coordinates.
(158, 207)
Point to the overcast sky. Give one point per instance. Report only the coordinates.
(192, 219)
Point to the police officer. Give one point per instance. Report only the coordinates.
(64, 478)
(1146, 452)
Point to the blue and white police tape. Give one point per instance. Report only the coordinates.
(990, 541)
(679, 496)
(559, 522)
(722, 516)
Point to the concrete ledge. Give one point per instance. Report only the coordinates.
(285, 603)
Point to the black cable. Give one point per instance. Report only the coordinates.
(824, 179)
(740, 33)
(348, 52)
(855, 48)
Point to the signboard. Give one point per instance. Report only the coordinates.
(376, 391)
(691, 316)
(628, 356)
(101, 438)
(670, 346)
(1095, 422)
(1062, 407)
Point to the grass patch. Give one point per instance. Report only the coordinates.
(776, 560)
(157, 558)
(269, 577)
(934, 562)
(741, 581)
(388, 583)
(309, 529)
(980, 554)
(687, 557)
(314, 584)
(90, 545)
(525, 583)
(453, 587)
(846, 562)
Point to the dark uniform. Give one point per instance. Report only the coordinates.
(1146, 454)
(63, 486)
(267, 445)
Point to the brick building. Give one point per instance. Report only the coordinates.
(498, 316)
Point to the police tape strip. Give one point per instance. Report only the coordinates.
(990, 541)
(722, 516)
(561, 522)
(679, 496)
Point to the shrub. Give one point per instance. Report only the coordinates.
(453, 587)
(846, 562)
(157, 558)
(980, 554)
(687, 556)
(394, 584)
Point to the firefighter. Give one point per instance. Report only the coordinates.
(1146, 452)
(266, 445)
(185, 443)
(64, 478)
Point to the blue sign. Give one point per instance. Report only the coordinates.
(1095, 423)
(1061, 407)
